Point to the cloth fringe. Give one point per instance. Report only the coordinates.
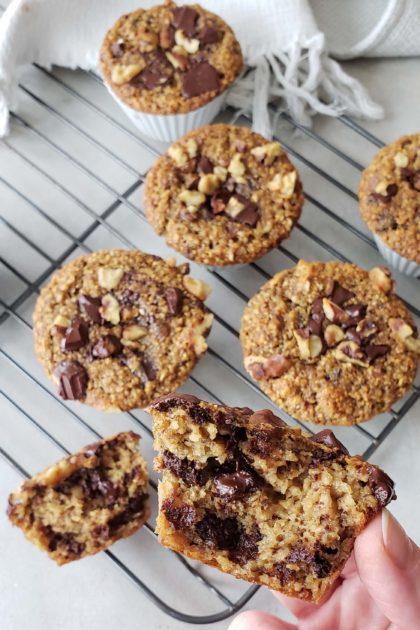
(303, 81)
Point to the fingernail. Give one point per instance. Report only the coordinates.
(397, 544)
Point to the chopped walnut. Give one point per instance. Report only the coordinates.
(110, 309)
(166, 37)
(405, 333)
(178, 155)
(178, 59)
(198, 288)
(350, 352)
(310, 346)
(134, 332)
(382, 279)
(234, 207)
(61, 322)
(147, 40)
(190, 45)
(109, 278)
(267, 153)
(192, 147)
(208, 184)
(192, 198)
(333, 312)
(220, 172)
(401, 159)
(333, 334)
(267, 367)
(237, 168)
(123, 73)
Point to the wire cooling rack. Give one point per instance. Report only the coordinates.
(71, 178)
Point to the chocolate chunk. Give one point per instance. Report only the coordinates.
(247, 547)
(317, 310)
(200, 78)
(265, 420)
(381, 485)
(183, 468)
(315, 327)
(107, 346)
(283, 573)
(181, 517)
(366, 328)
(149, 372)
(321, 566)
(158, 72)
(89, 306)
(76, 335)
(356, 311)
(66, 540)
(220, 200)
(169, 401)
(218, 533)
(250, 215)
(185, 18)
(328, 438)
(134, 508)
(339, 294)
(118, 48)
(73, 380)
(174, 298)
(374, 351)
(234, 485)
(204, 165)
(353, 335)
(412, 177)
(209, 35)
(391, 191)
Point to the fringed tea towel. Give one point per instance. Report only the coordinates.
(283, 48)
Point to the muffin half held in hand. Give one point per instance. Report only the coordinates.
(169, 67)
(116, 328)
(245, 493)
(85, 502)
(389, 195)
(223, 195)
(330, 343)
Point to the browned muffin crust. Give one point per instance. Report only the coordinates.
(245, 493)
(170, 59)
(223, 195)
(85, 502)
(389, 196)
(329, 343)
(116, 328)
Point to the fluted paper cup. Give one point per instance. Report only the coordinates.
(401, 264)
(170, 127)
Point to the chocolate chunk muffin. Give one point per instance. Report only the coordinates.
(389, 195)
(85, 502)
(170, 59)
(223, 195)
(330, 343)
(116, 328)
(245, 493)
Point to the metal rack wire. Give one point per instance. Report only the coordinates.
(21, 289)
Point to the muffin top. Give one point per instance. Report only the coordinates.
(115, 329)
(170, 59)
(330, 343)
(223, 195)
(389, 196)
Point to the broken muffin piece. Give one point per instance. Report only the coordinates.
(244, 492)
(85, 502)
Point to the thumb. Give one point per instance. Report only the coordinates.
(388, 562)
(253, 620)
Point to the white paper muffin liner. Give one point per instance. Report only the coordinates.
(170, 127)
(401, 264)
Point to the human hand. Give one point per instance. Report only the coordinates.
(379, 588)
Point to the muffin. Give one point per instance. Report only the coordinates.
(389, 195)
(117, 328)
(169, 67)
(85, 502)
(330, 343)
(243, 492)
(223, 195)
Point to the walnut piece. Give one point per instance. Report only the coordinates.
(178, 155)
(401, 159)
(263, 367)
(192, 198)
(310, 346)
(350, 352)
(190, 45)
(192, 147)
(267, 153)
(61, 322)
(381, 278)
(109, 278)
(178, 59)
(198, 288)
(110, 309)
(208, 184)
(147, 40)
(123, 73)
(237, 168)
(333, 334)
(134, 332)
(220, 172)
(333, 312)
(234, 207)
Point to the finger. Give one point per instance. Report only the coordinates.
(253, 620)
(389, 566)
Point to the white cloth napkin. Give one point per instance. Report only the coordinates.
(280, 39)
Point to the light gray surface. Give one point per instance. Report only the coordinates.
(92, 593)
